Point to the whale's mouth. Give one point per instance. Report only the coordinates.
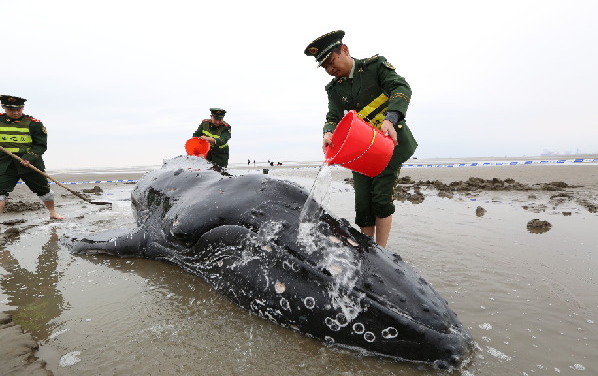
(434, 320)
(92, 251)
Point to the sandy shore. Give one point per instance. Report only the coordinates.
(24, 214)
(17, 355)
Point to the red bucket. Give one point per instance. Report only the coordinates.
(197, 147)
(359, 147)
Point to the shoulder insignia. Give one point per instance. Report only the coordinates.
(226, 124)
(329, 85)
(388, 65)
(34, 119)
(205, 120)
(371, 59)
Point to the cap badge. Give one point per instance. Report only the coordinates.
(313, 50)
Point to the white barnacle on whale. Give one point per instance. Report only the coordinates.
(358, 328)
(332, 324)
(341, 319)
(390, 332)
(309, 302)
(289, 265)
(285, 304)
(279, 287)
(334, 239)
(369, 336)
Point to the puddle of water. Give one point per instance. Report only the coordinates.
(529, 299)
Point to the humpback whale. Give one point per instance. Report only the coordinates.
(242, 235)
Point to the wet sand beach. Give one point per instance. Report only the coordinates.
(527, 292)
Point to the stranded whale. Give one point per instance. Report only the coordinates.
(324, 279)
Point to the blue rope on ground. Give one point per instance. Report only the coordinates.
(409, 165)
(504, 163)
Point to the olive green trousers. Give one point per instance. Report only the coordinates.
(36, 182)
(218, 157)
(373, 196)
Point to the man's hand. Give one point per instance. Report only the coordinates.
(389, 130)
(25, 163)
(211, 140)
(327, 141)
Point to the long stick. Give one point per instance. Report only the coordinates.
(54, 180)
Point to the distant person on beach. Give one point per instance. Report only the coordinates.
(217, 132)
(380, 96)
(26, 137)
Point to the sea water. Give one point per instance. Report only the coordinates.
(529, 299)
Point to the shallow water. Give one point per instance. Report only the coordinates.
(530, 300)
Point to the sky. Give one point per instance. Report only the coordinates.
(125, 83)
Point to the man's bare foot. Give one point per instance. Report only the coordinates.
(56, 216)
(52, 210)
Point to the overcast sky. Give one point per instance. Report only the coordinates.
(125, 83)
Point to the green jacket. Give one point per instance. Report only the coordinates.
(219, 152)
(374, 89)
(30, 151)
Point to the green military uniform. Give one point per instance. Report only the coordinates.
(372, 89)
(27, 138)
(219, 152)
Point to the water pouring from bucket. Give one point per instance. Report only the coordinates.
(359, 147)
(197, 147)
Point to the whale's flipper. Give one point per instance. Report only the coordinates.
(130, 242)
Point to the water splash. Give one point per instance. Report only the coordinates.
(337, 258)
(268, 231)
(314, 208)
(319, 196)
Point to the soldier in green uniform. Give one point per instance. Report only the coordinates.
(217, 132)
(380, 96)
(27, 138)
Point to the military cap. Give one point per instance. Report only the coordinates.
(217, 113)
(11, 101)
(324, 45)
